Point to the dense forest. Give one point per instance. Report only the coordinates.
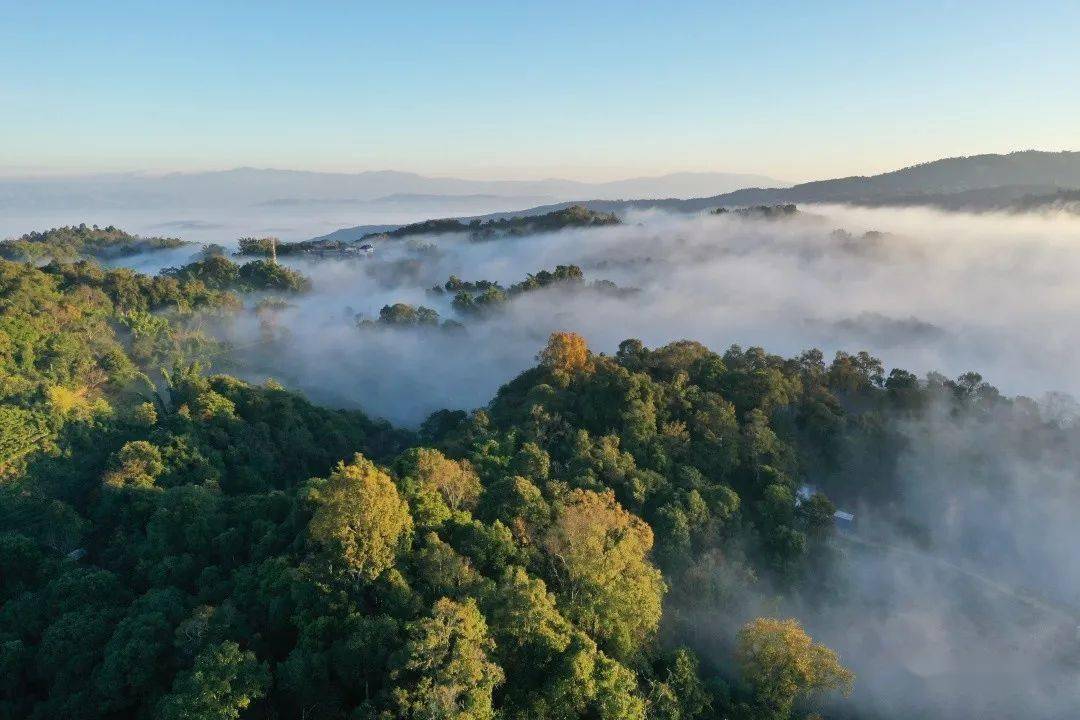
(482, 298)
(182, 544)
(528, 361)
(476, 229)
(760, 212)
(73, 242)
(573, 216)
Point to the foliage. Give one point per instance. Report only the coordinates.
(223, 682)
(760, 212)
(609, 588)
(81, 241)
(455, 481)
(360, 517)
(402, 314)
(219, 273)
(573, 216)
(446, 673)
(128, 291)
(565, 352)
(165, 550)
(484, 296)
(782, 663)
(264, 246)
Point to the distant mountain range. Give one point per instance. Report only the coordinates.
(979, 182)
(1021, 181)
(253, 187)
(209, 206)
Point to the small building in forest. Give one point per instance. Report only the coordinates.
(844, 520)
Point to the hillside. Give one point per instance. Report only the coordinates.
(81, 241)
(1024, 180)
(513, 224)
(199, 546)
(588, 532)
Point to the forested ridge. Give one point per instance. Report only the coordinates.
(75, 241)
(482, 298)
(573, 216)
(182, 544)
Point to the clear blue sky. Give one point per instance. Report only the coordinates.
(521, 89)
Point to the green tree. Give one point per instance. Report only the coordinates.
(528, 627)
(138, 464)
(224, 681)
(454, 480)
(360, 517)
(405, 314)
(782, 663)
(681, 695)
(599, 553)
(446, 673)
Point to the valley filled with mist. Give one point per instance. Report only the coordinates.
(923, 290)
(763, 454)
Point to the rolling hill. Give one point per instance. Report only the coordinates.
(1026, 180)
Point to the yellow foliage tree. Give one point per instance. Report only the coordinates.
(608, 586)
(79, 402)
(455, 480)
(565, 351)
(360, 515)
(782, 663)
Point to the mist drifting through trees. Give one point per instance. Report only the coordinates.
(584, 473)
(926, 291)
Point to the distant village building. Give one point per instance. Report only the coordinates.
(804, 493)
(843, 519)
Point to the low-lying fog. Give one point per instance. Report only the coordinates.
(201, 225)
(974, 622)
(932, 291)
(287, 220)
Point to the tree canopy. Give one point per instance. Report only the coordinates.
(179, 543)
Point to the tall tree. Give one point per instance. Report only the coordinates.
(782, 663)
(566, 352)
(447, 673)
(600, 556)
(360, 517)
(224, 681)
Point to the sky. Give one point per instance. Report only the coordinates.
(585, 90)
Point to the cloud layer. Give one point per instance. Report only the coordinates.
(923, 290)
(977, 619)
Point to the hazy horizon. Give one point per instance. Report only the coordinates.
(585, 176)
(588, 175)
(609, 92)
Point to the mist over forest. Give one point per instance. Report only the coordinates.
(746, 462)
(924, 290)
(517, 361)
(296, 205)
